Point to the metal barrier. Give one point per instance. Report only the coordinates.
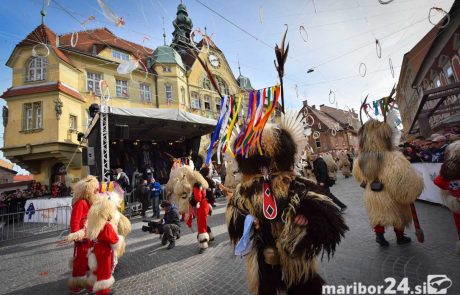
(26, 224)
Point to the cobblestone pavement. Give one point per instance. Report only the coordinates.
(37, 266)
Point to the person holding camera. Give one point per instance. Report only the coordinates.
(171, 224)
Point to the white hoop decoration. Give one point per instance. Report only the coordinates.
(105, 94)
(378, 48)
(261, 14)
(333, 132)
(383, 2)
(439, 10)
(362, 69)
(126, 67)
(392, 70)
(34, 50)
(331, 97)
(303, 33)
(310, 117)
(319, 126)
(198, 32)
(316, 135)
(74, 39)
(145, 70)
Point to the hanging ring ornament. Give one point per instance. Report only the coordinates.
(378, 48)
(34, 50)
(331, 97)
(261, 14)
(333, 132)
(198, 32)
(383, 2)
(316, 135)
(362, 69)
(303, 33)
(74, 39)
(319, 126)
(310, 118)
(392, 70)
(438, 9)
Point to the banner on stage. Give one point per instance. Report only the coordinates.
(55, 210)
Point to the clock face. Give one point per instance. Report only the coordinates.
(214, 60)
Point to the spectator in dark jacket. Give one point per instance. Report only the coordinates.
(171, 224)
(410, 153)
(440, 145)
(155, 191)
(141, 194)
(322, 178)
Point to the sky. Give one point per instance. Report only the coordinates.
(336, 38)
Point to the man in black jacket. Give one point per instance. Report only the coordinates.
(322, 178)
(141, 194)
(171, 224)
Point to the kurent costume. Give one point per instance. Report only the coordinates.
(345, 165)
(331, 167)
(390, 183)
(106, 242)
(84, 193)
(281, 221)
(449, 181)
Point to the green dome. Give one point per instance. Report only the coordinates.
(167, 55)
(244, 83)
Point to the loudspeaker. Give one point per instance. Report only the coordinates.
(122, 131)
(88, 156)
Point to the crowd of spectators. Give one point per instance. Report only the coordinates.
(14, 201)
(428, 150)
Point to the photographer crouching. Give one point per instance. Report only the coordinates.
(169, 226)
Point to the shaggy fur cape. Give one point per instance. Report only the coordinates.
(377, 161)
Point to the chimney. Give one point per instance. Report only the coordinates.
(94, 50)
(305, 103)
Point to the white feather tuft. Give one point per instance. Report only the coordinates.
(392, 118)
(292, 122)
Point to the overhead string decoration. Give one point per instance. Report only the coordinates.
(446, 15)
(378, 48)
(303, 33)
(362, 69)
(110, 15)
(384, 2)
(331, 97)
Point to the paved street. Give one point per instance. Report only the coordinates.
(37, 266)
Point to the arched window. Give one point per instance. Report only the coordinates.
(207, 83)
(182, 96)
(169, 94)
(222, 85)
(36, 68)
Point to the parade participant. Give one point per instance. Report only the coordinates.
(345, 165)
(202, 211)
(171, 225)
(84, 194)
(205, 172)
(449, 181)
(106, 242)
(390, 183)
(331, 168)
(323, 180)
(288, 218)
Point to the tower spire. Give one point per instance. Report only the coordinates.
(43, 12)
(164, 32)
(239, 67)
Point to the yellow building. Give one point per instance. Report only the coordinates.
(56, 78)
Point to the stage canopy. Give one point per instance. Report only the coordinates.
(156, 124)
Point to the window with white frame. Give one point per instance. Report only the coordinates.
(73, 122)
(120, 55)
(145, 92)
(182, 95)
(449, 72)
(206, 83)
(32, 116)
(207, 102)
(92, 82)
(167, 69)
(169, 94)
(218, 105)
(195, 101)
(36, 69)
(121, 87)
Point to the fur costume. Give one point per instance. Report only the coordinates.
(331, 166)
(345, 165)
(449, 181)
(84, 193)
(106, 242)
(378, 162)
(281, 258)
(184, 179)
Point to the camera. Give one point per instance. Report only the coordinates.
(153, 227)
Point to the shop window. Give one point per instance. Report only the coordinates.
(120, 55)
(32, 116)
(73, 122)
(36, 69)
(92, 82)
(121, 87)
(207, 102)
(169, 94)
(145, 93)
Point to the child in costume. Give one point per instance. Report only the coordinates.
(279, 220)
(449, 181)
(85, 193)
(390, 183)
(106, 242)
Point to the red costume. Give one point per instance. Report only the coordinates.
(101, 259)
(453, 186)
(80, 260)
(202, 212)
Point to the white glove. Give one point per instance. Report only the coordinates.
(197, 205)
